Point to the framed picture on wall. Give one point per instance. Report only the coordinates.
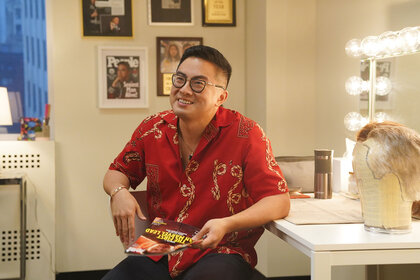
(168, 52)
(218, 12)
(107, 18)
(122, 77)
(170, 12)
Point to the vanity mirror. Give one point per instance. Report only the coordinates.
(393, 59)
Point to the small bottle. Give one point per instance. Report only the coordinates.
(323, 174)
(45, 129)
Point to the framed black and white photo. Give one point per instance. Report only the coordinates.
(122, 77)
(170, 12)
(111, 18)
(169, 51)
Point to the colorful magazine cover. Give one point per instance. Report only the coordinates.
(163, 237)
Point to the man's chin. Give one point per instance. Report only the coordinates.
(182, 114)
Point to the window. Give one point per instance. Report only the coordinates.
(23, 59)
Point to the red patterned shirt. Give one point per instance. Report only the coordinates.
(232, 168)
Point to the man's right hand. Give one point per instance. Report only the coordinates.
(123, 208)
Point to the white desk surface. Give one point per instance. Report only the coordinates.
(343, 237)
(348, 244)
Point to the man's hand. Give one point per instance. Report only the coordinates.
(116, 81)
(123, 208)
(265, 210)
(213, 232)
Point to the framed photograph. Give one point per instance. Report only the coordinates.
(107, 18)
(122, 77)
(168, 52)
(170, 12)
(219, 12)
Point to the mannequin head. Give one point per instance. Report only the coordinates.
(385, 163)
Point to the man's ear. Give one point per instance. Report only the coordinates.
(222, 98)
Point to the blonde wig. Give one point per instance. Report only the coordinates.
(397, 151)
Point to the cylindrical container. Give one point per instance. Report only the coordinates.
(323, 174)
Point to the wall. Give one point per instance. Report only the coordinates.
(88, 138)
(280, 37)
(291, 76)
(256, 56)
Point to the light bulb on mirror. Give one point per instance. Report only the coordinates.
(410, 39)
(353, 48)
(354, 121)
(370, 46)
(354, 85)
(383, 86)
(388, 43)
(381, 117)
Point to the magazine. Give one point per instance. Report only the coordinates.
(163, 237)
(122, 76)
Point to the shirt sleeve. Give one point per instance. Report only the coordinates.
(262, 175)
(130, 161)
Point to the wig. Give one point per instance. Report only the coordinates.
(394, 148)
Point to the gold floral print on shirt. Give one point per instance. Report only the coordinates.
(234, 198)
(188, 191)
(160, 114)
(271, 161)
(131, 156)
(175, 137)
(174, 272)
(233, 239)
(155, 130)
(210, 132)
(219, 170)
(245, 125)
(152, 172)
(245, 193)
(226, 250)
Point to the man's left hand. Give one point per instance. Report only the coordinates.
(211, 234)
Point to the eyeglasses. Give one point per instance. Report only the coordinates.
(197, 85)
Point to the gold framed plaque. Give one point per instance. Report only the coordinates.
(219, 12)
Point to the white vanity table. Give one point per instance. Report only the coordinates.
(329, 245)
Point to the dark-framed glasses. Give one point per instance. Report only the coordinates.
(197, 85)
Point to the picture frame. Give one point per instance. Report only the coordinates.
(122, 77)
(218, 13)
(107, 18)
(171, 12)
(169, 51)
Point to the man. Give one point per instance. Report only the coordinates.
(91, 17)
(123, 86)
(206, 166)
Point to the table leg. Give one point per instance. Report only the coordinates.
(22, 229)
(320, 266)
(372, 272)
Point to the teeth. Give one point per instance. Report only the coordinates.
(183, 101)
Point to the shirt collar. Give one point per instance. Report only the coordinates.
(223, 117)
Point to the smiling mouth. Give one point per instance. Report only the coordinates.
(183, 101)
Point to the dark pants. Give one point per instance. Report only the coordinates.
(210, 267)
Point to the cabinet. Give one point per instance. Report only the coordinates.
(27, 183)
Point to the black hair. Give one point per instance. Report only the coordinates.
(211, 55)
(125, 63)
